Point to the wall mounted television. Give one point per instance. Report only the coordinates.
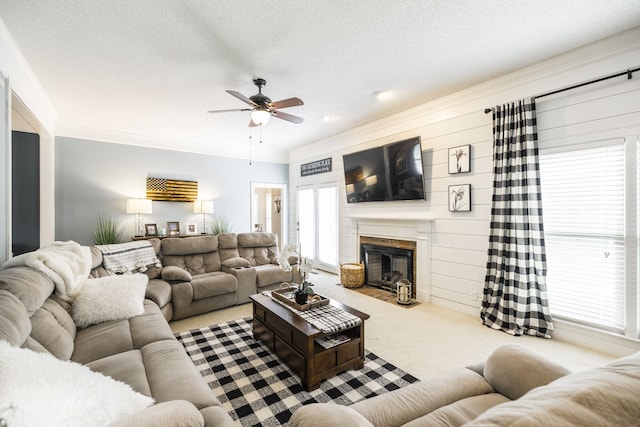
(390, 172)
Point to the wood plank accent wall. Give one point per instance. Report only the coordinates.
(459, 239)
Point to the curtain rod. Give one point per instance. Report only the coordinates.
(629, 73)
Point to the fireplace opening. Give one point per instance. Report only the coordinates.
(387, 261)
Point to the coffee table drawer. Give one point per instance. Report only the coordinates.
(263, 334)
(348, 351)
(293, 360)
(333, 357)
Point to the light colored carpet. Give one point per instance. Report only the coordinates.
(425, 340)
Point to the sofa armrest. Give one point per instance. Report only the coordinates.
(236, 262)
(327, 415)
(246, 277)
(420, 399)
(173, 273)
(169, 414)
(513, 370)
(216, 416)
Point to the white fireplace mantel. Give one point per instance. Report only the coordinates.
(410, 226)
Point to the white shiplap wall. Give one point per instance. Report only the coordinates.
(459, 240)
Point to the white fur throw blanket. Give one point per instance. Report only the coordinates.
(128, 257)
(67, 264)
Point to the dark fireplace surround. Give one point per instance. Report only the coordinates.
(388, 260)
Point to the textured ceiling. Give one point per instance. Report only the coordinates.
(148, 70)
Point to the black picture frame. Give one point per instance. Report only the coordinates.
(150, 230)
(459, 159)
(460, 198)
(173, 228)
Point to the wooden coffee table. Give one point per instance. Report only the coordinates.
(293, 340)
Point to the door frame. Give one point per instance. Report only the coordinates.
(284, 212)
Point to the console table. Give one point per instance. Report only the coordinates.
(293, 340)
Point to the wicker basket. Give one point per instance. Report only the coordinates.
(352, 275)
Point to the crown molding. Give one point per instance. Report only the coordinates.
(23, 82)
(74, 130)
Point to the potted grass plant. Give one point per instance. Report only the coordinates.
(107, 230)
(220, 224)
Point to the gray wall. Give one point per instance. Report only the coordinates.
(95, 177)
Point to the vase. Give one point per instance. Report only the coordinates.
(301, 298)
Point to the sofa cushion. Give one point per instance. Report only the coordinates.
(172, 375)
(513, 370)
(258, 248)
(109, 298)
(127, 367)
(459, 412)
(118, 336)
(73, 396)
(604, 396)
(228, 245)
(173, 413)
(213, 284)
(15, 326)
(53, 328)
(30, 286)
(189, 245)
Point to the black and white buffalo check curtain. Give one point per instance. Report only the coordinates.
(515, 292)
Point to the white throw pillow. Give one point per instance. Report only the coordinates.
(109, 298)
(36, 389)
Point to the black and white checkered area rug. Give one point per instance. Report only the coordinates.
(255, 387)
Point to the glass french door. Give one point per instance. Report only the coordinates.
(318, 224)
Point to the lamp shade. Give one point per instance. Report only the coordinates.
(203, 206)
(371, 180)
(139, 206)
(260, 117)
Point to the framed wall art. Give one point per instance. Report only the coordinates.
(173, 228)
(192, 228)
(460, 198)
(150, 230)
(460, 159)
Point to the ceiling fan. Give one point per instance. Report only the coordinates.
(262, 108)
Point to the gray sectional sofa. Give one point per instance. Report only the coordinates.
(514, 387)
(140, 352)
(188, 276)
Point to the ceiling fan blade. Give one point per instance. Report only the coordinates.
(241, 97)
(228, 111)
(287, 117)
(284, 103)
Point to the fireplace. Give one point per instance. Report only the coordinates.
(388, 260)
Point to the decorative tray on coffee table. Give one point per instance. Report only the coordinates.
(286, 296)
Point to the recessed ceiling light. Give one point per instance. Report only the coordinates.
(328, 118)
(383, 94)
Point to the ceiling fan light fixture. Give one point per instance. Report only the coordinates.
(260, 117)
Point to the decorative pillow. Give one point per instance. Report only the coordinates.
(236, 262)
(109, 298)
(36, 389)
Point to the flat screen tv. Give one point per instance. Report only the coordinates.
(390, 172)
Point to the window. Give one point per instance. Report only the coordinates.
(589, 214)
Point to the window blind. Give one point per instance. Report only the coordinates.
(583, 195)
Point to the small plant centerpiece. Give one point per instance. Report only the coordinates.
(304, 287)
